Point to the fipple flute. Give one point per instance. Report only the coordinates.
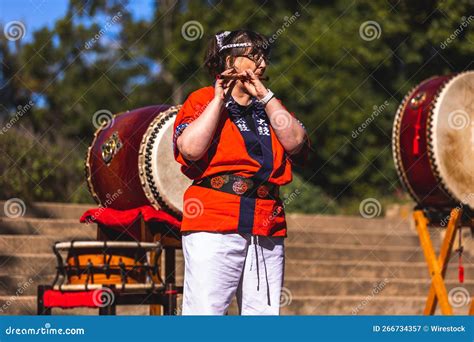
(239, 77)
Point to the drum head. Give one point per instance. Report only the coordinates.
(164, 183)
(452, 136)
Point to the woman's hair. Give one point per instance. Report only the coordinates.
(215, 60)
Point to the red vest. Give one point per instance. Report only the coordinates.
(233, 151)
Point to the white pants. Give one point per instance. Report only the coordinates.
(221, 265)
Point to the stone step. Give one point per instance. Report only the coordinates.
(371, 269)
(75, 211)
(354, 305)
(305, 221)
(356, 230)
(359, 305)
(53, 226)
(62, 228)
(362, 237)
(359, 268)
(30, 265)
(357, 286)
(45, 209)
(68, 229)
(41, 233)
(381, 254)
(296, 305)
(359, 253)
(317, 251)
(10, 244)
(14, 244)
(295, 286)
(22, 285)
(334, 264)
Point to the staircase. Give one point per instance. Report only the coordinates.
(341, 265)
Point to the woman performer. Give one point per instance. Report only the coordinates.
(238, 143)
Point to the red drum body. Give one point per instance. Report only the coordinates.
(433, 142)
(130, 161)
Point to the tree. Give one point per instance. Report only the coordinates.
(341, 66)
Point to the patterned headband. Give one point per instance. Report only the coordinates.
(220, 37)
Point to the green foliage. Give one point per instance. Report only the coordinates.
(34, 169)
(322, 69)
(301, 196)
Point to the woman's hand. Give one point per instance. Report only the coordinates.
(222, 85)
(253, 85)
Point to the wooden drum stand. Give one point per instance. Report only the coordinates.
(163, 298)
(438, 265)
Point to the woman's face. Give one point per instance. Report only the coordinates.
(256, 63)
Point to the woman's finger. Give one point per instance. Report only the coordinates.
(228, 71)
(252, 77)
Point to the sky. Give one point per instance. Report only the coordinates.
(35, 14)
